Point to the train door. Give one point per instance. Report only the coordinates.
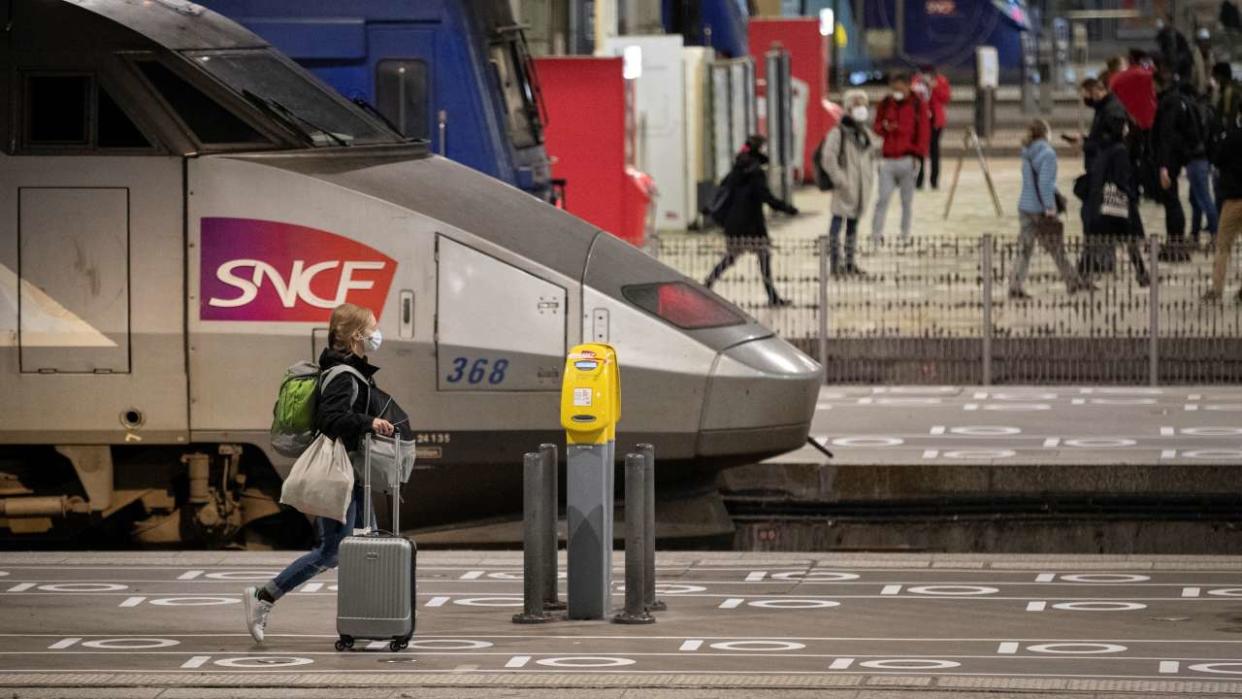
(91, 260)
(498, 327)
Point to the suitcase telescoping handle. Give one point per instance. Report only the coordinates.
(366, 486)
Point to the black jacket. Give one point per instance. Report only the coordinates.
(1229, 152)
(1175, 50)
(1108, 126)
(749, 181)
(1112, 166)
(1177, 134)
(335, 415)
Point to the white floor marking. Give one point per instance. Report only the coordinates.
(312, 587)
(196, 661)
(756, 575)
(1190, 592)
(21, 587)
(691, 645)
(377, 645)
(1045, 577)
(518, 661)
(437, 601)
(473, 574)
(63, 643)
(931, 453)
(731, 603)
(1052, 442)
(938, 429)
(190, 574)
(132, 601)
(1036, 606)
(1167, 432)
(891, 590)
(841, 664)
(1007, 648)
(1170, 667)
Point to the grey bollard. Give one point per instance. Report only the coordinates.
(534, 535)
(635, 520)
(649, 531)
(551, 596)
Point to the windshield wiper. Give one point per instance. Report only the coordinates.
(299, 124)
(370, 109)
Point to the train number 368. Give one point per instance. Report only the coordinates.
(477, 371)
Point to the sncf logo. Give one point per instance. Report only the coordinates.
(271, 271)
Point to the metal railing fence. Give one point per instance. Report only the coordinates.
(939, 312)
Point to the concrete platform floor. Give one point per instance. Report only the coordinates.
(169, 624)
(1027, 425)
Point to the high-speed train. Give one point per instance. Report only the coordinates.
(180, 209)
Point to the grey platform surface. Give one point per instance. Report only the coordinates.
(1027, 425)
(748, 624)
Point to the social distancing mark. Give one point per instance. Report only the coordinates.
(197, 601)
(1007, 407)
(262, 662)
(1068, 648)
(868, 441)
(130, 643)
(1205, 431)
(809, 576)
(1098, 578)
(1085, 606)
(488, 602)
(977, 430)
(780, 603)
(970, 454)
(1206, 454)
(447, 644)
(904, 664)
(4, 573)
(1173, 667)
(244, 575)
(669, 588)
(571, 662)
(501, 575)
(80, 588)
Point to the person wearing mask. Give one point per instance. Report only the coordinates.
(745, 227)
(1179, 138)
(936, 92)
(848, 156)
(1037, 213)
(1109, 126)
(1136, 90)
(902, 120)
(344, 411)
(1228, 153)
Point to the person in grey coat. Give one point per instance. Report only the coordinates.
(1037, 213)
(848, 156)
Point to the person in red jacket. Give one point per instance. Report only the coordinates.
(1135, 88)
(933, 88)
(902, 120)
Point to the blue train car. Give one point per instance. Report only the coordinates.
(946, 32)
(720, 24)
(454, 72)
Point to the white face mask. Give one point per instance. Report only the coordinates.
(899, 96)
(859, 113)
(374, 340)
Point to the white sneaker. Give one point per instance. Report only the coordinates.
(257, 611)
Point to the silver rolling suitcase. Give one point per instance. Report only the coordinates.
(375, 598)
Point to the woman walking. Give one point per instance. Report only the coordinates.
(848, 156)
(745, 228)
(1038, 215)
(343, 411)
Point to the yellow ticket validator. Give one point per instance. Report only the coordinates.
(591, 395)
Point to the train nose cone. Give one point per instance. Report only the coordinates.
(761, 397)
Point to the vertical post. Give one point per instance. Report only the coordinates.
(649, 539)
(985, 264)
(534, 540)
(635, 611)
(1153, 302)
(551, 499)
(442, 117)
(823, 301)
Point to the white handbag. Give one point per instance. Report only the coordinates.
(322, 481)
(1114, 202)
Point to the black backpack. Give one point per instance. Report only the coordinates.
(722, 200)
(822, 179)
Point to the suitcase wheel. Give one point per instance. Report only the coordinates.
(344, 643)
(398, 645)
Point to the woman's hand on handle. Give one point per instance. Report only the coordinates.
(382, 427)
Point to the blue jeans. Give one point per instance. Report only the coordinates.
(324, 556)
(1202, 204)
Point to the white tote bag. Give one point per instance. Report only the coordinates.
(322, 481)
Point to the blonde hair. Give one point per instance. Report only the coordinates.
(1037, 129)
(347, 322)
(852, 96)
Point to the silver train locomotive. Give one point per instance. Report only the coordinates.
(180, 208)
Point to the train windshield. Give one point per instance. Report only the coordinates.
(682, 305)
(285, 94)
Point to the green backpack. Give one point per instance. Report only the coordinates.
(293, 416)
